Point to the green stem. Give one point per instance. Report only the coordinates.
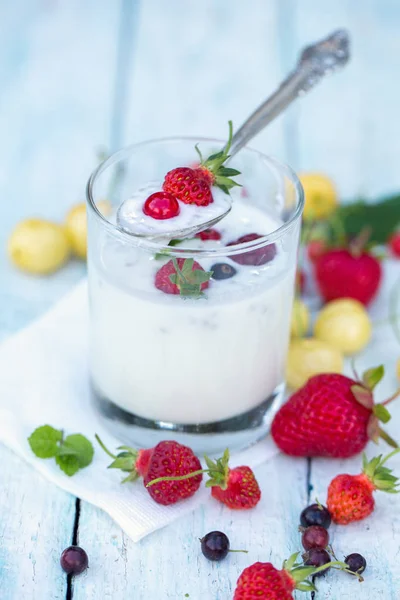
(178, 478)
(245, 551)
(106, 450)
(389, 456)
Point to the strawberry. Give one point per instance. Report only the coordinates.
(185, 184)
(166, 458)
(394, 244)
(263, 581)
(257, 257)
(341, 273)
(332, 415)
(182, 276)
(315, 249)
(209, 234)
(237, 488)
(193, 185)
(350, 497)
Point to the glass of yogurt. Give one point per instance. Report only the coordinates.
(205, 368)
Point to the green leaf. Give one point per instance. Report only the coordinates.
(373, 376)
(125, 463)
(187, 266)
(44, 441)
(69, 464)
(228, 172)
(76, 445)
(382, 413)
(215, 156)
(382, 216)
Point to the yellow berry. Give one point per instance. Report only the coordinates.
(38, 246)
(344, 324)
(300, 319)
(308, 357)
(320, 196)
(76, 226)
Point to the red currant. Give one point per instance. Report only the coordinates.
(394, 243)
(161, 205)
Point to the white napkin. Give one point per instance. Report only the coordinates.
(44, 380)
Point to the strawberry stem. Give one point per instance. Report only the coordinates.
(391, 398)
(178, 477)
(106, 450)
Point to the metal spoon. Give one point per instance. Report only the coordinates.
(316, 61)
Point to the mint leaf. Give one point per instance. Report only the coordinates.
(80, 447)
(71, 453)
(44, 441)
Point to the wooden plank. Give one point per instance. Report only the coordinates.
(169, 563)
(57, 80)
(36, 523)
(348, 126)
(197, 65)
(56, 76)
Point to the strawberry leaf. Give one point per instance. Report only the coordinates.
(363, 396)
(382, 413)
(373, 376)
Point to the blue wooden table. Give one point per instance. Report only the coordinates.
(78, 76)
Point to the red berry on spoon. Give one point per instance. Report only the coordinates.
(161, 205)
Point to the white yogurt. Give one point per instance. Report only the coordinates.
(168, 358)
(131, 218)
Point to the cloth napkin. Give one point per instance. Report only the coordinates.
(44, 380)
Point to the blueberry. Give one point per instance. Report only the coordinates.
(223, 271)
(316, 557)
(315, 514)
(74, 560)
(356, 563)
(215, 545)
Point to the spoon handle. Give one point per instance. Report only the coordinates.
(315, 61)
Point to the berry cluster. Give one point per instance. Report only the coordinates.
(192, 185)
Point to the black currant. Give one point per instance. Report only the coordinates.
(315, 514)
(356, 563)
(215, 545)
(74, 560)
(316, 557)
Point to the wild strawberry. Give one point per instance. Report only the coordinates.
(263, 581)
(237, 487)
(185, 184)
(193, 185)
(343, 274)
(332, 415)
(166, 459)
(350, 496)
(161, 205)
(257, 257)
(209, 234)
(182, 276)
(394, 244)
